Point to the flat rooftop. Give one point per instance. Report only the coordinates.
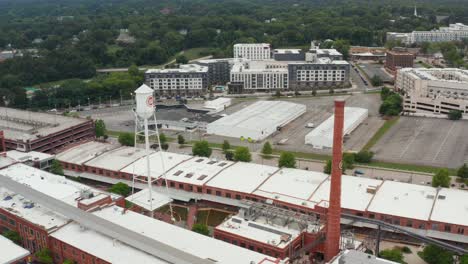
(28, 156)
(117, 159)
(271, 234)
(156, 165)
(292, 186)
(26, 125)
(287, 51)
(448, 207)
(109, 249)
(197, 170)
(404, 200)
(242, 177)
(186, 68)
(183, 239)
(142, 200)
(10, 251)
(83, 153)
(356, 192)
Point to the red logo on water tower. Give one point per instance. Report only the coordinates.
(150, 101)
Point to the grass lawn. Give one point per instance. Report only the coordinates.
(304, 155)
(211, 217)
(378, 135)
(407, 167)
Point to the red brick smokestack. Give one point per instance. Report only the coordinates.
(332, 243)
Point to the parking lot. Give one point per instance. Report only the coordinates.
(373, 68)
(426, 141)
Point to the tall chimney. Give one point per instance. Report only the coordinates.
(332, 243)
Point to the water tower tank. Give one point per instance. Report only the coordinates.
(144, 101)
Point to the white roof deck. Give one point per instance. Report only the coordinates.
(84, 152)
(257, 121)
(292, 186)
(28, 125)
(259, 231)
(6, 161)
(10, 251)
(141, 199)
(183, 239)
(404, 200)
(354, 193)
(117, 159)
(110, 250)
(197, 170)
(449, 207)
(28, 156)
(242, 177)
(156, 167)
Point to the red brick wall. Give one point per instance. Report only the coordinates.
(62, 251)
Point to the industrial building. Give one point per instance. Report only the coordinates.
(397, 59)
(252, 51)
(187, 80)
(454, 32)
(61, 224)
(433, 91)
(217, 105)
(32, 131)
(11, 253)
(322, 136)
(257, 121)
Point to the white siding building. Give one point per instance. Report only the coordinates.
(267, 75)
(454, 32)
(252, 51)
(433, 90)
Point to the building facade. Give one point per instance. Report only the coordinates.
(433, 90)
(260, 76)
(454, 32)
(188, 80)
(307, 76)
(218, 70)
(396, 59)
(252, 51)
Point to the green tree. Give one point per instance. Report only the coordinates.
(56, 168)
(226, 146)
(441, 179)
(44, 256)
(201, 229)
(181, 59)
(462, 172)
(68, 261)
(455, 114)
(229, 155)
(165, 146)
(287, 160)
(384, 93)
(13, 236)
(364, 156)
(127, 139)
(393, 255)
(342, 46)
(202, 149)
(436, 255)
(163, 138)
(100, 128)
(376, 80)
(464, 259)
(328, 167)
(267, 150)
(348, 161)
(133, 70)
(120, 188)
(242, 154)
(180, 140)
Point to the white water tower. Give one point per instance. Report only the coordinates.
(144, 102)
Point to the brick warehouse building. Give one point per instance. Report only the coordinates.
(398, 59)
(73, 240)
(32, 131)
(421, 208)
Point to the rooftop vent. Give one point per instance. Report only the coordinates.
(441, 197)
(430, 196)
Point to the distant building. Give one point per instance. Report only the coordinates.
(125, 37)
(187, 80)
(252, 51)
(218, 70)
(288, 55)
(262, 76)
(320, 74)
(433, 90)
(454, 32)
(6, 54)
(397, 59)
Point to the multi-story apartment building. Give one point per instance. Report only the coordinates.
(454, 32)
(320, 74)
(218, 70)
(252, 51)
(187, 80)
(433, 90)
(262, 76)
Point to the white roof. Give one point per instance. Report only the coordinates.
(242, 177)
(84, 152)
(219, 102)
(404, 200)
(117, 159)
(287, 51)
(110, 250)
(259, 231)
(28, 156)
(257, 121)
(170, 160)
(10, 251)
(293, 186)
(252, 45)
(141, 199)
(198, 170)
(322, 136)
(45, 124)
(449, 208)
(186, 68)
(354, 193)
(6, 161)
(183, 239)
